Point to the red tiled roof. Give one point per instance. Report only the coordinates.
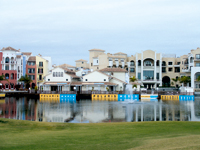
(9, 48)
(26, 53)
(113, 70)
(81, 60)
(32, 58)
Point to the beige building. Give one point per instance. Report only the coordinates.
(152, 69)
(81, 63)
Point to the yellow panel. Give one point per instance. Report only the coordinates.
(170, 97)
(2, 95)
(2, 101)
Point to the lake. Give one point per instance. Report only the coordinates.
(87, 111)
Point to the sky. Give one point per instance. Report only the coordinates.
(67, 29)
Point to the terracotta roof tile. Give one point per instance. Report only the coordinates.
(81, 60)
(66, 66)
(19, 56)
(113, 70)
(120, 53)
(9, 48)
(32, 58)
(26, 53)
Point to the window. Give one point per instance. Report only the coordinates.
(32, 77)
(48, 79)
(169, 69)
(66, 79)
(40, 77)
(82, 62)
(148, 75)
(178, 63)
(54, 74)
(12, 76)
(91, 64)
(139, 62)
(157, 76)
(31, 70)
(197, 64)
(132, 69)
(163, 69)
(139, 76)
(104, 79)
(97, 61)
(40, 64)
(85, 79)
(61, 74)
(40, 70)
(132, 63)
(7, 60)
(110, 59)
(177, 69)
(197, 56)
(6, 76)
(170, 63)
(147, 63)
(6, 67)
(7, 86)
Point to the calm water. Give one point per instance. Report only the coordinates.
(86, 111)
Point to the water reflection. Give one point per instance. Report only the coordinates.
(99, 111)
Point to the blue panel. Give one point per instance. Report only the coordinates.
(155, 100)
(123, 97)
(67, 98)
(186, 98)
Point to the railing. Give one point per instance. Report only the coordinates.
(57, 92)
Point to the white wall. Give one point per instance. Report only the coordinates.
(58, 79)
(95, 61)
(95, 77)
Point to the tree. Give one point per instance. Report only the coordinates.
(26, 80)
(175, 80)
(184, 80)
(133, 79)
(2, 78)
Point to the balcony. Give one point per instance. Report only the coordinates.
(186, 70)
(197, 59)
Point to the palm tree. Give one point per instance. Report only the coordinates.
(26, 80)
(175, 80)
(133, 79)
(184, 80)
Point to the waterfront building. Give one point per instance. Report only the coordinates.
(152, 69)
(66, 66)
(12, 66)
(60, 79)
(31, 70)
(81, 63)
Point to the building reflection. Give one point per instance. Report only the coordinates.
(99, 111)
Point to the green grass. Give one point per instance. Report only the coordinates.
(16, 134)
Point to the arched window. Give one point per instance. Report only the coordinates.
(147, 63)
(7, 60)
(132, 63)
(12, 76)
(163, 63)
(7, 76)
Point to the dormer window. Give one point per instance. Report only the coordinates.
(104, 79)
(66, 79)
(85, 79)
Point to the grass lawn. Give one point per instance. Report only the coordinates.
(17, 134)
